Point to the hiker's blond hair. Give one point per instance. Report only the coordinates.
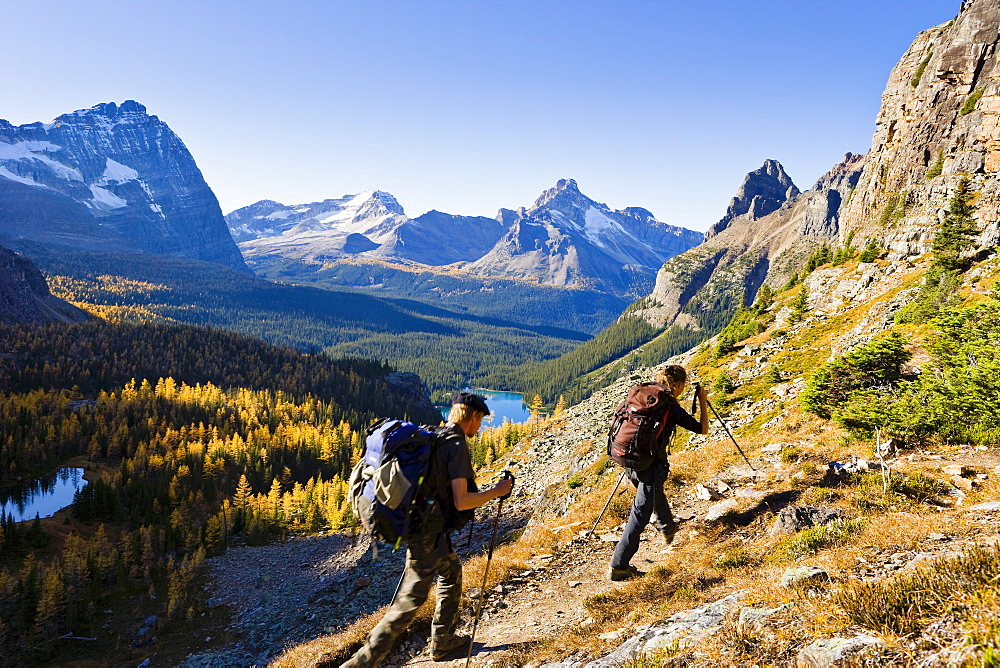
(672, 375)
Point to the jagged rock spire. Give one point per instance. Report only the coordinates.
(763, 191)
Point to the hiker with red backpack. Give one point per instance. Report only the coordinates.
(436, 507)
(641, 428)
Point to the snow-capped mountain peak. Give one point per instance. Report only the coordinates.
(125, 177)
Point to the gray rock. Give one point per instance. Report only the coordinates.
(830, 652)
(803, 576)
(987, 507)
(680, 630)
(705, 493)
(752, 618)
(721, 508)
(958, 470)
(793, 519)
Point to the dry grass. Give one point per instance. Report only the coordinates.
(906, 603)
(333, 649)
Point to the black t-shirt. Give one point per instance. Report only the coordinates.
(676, 417)
(453, 462)
(454, 454)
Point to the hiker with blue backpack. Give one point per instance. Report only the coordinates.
(641, 428)
(415, 486)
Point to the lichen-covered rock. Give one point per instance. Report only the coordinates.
(793, 519)
(831, 652)
(803, 576)
(680, 630)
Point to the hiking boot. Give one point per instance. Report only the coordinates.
(624, 573)
(450, 647)
(669, 532)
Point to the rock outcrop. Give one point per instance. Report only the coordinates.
(939, 120)
(768, 230)
(111, 177)
(25, 296)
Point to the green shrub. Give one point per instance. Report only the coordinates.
(871, 252)
(915, 80)
(876, 364)
(575, 481)
(894, 210)
(816, 538)
(732, 559)
(790, 454)
(724, 384)
(970, 102)
(800, 306)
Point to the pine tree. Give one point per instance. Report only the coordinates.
(560, 411)
(800, 305)
(537, 408)
(958, 230)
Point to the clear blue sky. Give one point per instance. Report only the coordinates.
(467, 106)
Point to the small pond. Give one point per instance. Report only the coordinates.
(504, 405)
(43, 496)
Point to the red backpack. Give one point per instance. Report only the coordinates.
(638, 424)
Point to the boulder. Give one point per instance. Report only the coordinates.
(830, 652)
(793, 519)
(680, 630)
(803, 576)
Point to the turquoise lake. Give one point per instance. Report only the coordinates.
(504, 406)
(44, 496)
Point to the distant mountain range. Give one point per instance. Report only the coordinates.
(111, 177)
(564, 240)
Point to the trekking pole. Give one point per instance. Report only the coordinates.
(486, 572)
(726, 427)
(591, 532)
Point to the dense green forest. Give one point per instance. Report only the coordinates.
(193, 439)
(447, 348)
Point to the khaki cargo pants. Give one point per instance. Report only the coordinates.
(424, 560)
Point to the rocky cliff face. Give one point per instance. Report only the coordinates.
(25, 297)
(111, 176)
(565, 239)
(940, 119)
(767, 231)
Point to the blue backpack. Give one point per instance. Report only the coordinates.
(387, 487)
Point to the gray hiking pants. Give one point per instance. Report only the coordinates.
(424, 560)
(649, 499)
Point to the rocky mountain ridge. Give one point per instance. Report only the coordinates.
(112, 177)
(768, 230)
(565, 239)
(25, 296)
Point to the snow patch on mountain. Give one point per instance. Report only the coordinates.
(116, 172)
(105, 199)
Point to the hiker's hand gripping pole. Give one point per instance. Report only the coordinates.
(726, 427)
(486, 570)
